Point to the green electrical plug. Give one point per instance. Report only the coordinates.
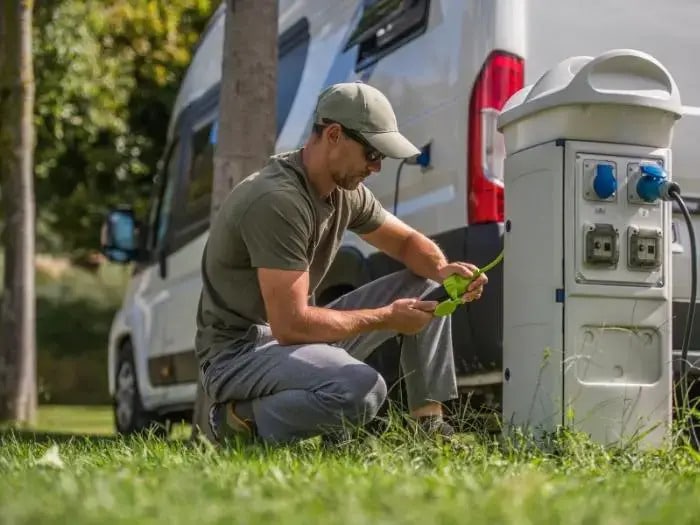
(456, 286)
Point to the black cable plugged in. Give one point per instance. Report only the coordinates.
(674, 192)
(398, 183)
(419, 160)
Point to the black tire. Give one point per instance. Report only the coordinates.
(130, 417)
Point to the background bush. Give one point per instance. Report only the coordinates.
(75, 308)
(107, 74)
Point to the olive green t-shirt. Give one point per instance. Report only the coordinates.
(272, 219)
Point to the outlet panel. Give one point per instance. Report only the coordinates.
(620, 239)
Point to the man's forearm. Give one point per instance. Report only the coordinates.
(422, 256)
(325, 325)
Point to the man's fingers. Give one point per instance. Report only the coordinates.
(478, 282)
(467, 269)
(473, 295)
(461, 269)
(425, 306)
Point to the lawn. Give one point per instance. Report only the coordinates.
(397, 478)
(90, 420)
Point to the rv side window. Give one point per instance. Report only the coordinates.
(387, 25)
(201, 177)
(161, 210)
(292, 50)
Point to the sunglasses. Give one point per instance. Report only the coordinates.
(371, 153)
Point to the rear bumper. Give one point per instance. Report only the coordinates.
(477, 328)
(679, 313)
(693, 362)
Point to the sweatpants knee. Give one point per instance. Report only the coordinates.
(364, 393)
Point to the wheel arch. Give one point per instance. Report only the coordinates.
(349, 270)
(115, 348)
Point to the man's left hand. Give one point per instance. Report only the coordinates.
(476, 287)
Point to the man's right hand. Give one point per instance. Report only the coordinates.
(410, 316)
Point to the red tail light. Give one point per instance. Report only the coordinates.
(501, 77)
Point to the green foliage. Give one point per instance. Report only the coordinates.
(107, 75)
(74, 315)
(75, 309)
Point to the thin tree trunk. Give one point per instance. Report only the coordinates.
(18, 396)
(247, 111)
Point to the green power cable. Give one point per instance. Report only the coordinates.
(456, 286)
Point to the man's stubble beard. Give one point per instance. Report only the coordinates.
(347, 182)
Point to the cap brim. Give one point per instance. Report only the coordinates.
(392, 144)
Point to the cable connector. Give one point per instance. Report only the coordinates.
(654, 184)
(456, 286)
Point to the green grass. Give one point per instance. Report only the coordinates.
(91, 420)
(86, 420)
(396, 478)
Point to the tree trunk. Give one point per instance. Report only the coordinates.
(18, 396)
(247, 111)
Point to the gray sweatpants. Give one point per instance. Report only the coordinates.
(299, 391)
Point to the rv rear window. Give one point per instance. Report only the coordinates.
(385, 26)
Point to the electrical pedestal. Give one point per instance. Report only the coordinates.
(587, 266)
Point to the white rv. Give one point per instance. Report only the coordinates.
(447, 66)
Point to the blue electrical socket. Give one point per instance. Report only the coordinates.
(424, 158)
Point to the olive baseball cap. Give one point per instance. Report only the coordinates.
(364, 109)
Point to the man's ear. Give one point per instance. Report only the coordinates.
(333, 132)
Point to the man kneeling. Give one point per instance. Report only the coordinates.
(282, 369)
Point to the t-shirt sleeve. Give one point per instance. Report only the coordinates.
(367, 213)
(276, 229)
